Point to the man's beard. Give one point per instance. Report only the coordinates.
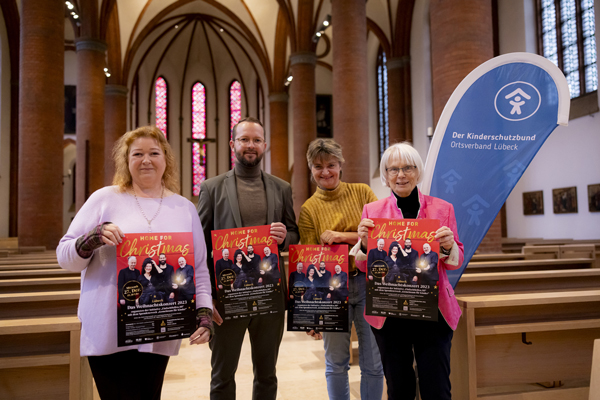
(162, 262)
(239, 155)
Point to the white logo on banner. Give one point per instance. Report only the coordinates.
(473, 206)
(517, 101)
(451, 178)
(514, 170)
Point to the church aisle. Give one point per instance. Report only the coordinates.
(300, 370)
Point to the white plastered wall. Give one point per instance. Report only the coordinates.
(570, 156)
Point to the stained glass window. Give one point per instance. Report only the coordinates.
(160, 102)
(569, 41)
(382, 102)
(235, 109)
(198, 132)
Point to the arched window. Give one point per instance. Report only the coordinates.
(235, 109)
(160, 103)
(568, 40)
(382, 102)
(198, 132)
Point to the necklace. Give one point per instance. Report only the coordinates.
(142, 210)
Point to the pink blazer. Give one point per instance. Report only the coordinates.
(433, 208)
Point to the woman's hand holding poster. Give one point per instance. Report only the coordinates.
(318, 288)
(402, 274)
(247, 273)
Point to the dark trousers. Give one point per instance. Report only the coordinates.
(431, 342)
(265, 337)
(129, 375)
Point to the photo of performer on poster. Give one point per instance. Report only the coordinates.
(318, 294)
(248, 279)
(156, 287)
(402, 274)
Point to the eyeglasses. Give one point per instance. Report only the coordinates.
(246, 141)
(408, 170)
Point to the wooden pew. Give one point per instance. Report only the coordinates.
(595, 378)
(22, 267)
(8, 246)
(550, 252)
(547, 242)
(513, 245)
(529, 265)
(37, 273)
(39, 359)
(528, 281)
(28, 285)
(38, 304)
(508, 340)
(10, 261)
(497, 257)
(577, 251)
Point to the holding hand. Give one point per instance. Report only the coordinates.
(112, 234)
(329, 237)
(363, 230)
(216, 317)
(278, 232)
(446, 237)
(201, 336)
(315, 335)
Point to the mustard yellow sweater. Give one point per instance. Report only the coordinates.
(338, 210)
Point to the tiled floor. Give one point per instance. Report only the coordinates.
(300, 370)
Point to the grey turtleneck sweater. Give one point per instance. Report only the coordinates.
(252, 196)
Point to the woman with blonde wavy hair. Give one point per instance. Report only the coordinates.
(143, 199)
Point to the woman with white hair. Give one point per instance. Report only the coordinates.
(398, 339)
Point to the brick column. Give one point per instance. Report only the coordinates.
(278, 110)
(399, 103)
(90, 118)
(350, 87)
(462, 38)
(41, 122)
(115, 125)
(304, 100)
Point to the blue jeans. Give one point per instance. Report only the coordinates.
(337, 351)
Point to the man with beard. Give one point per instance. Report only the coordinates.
(339, 284)
(322, 279)
(428, 266)
(408, 263)
(268, 267)
(247, 196)
(185, 280)
(252, 265)
(374, 255)
(169, 272)
(223, 264)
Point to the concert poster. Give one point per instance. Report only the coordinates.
(246, 272)
(402, 269)
(156, 287)
(318, 288)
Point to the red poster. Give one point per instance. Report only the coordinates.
(318, 288)
(402, 275)
(247, 273)
(156, 287)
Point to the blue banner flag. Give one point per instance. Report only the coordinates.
(491, 128)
